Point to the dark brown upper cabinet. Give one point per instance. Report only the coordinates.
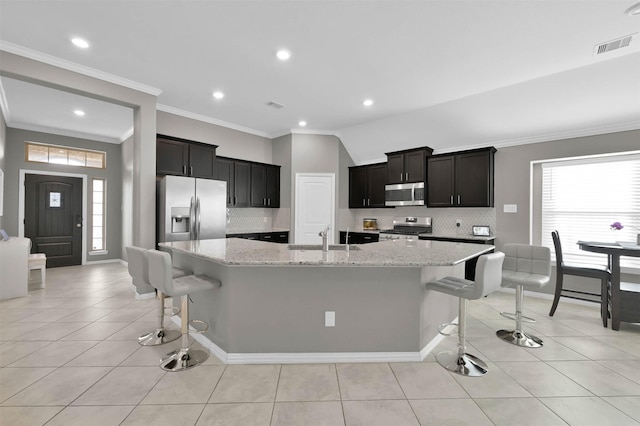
(366, 185)
(237, 174)
(462, 179)
(265, 185)
(182, 157)
(407, 166)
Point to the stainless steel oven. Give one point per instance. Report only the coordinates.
(404, 194)
(407, 228)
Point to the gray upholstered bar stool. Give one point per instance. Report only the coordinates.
(160, 277)
(525, 266)
(488, 279)
(139, 270)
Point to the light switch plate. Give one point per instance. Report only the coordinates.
(329, 319)
(510, 208)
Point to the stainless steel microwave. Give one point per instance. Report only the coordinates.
(404, 194)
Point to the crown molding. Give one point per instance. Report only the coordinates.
(4, 105)
(66, 132)
(210, 120)
(80, 69)
(551, 137)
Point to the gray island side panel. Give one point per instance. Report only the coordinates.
(280, 307)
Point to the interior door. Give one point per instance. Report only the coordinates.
(53, 218)
(315, 201)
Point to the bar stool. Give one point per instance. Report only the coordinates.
(161, 278)
(524, 266)
(139, 271)
(39, 261)
(488, 279)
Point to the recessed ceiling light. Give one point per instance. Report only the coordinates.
(218, 94)
(81, 43)
(79, 112)
(633, 10)
(283, 54)
(367, 102)
(302, 123)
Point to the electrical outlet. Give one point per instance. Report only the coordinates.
(458, 223)
(330, 319)
(265, 220)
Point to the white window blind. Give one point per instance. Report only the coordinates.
(582, 198)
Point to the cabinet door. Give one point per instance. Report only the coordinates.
(414, 166)
(474, 186)
(202, 161)
(258, 185)
(395, 168)
(376, 180)
(357, 187)
(242, 182)
(224, 171)
(171, 157)
(440, 181)
(273, 186)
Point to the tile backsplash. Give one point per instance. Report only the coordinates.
(254, 219)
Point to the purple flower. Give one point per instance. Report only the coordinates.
(616, 226)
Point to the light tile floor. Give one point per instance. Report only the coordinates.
(69, 356)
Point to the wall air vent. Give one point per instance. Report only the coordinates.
(614, 44)
(275, 105)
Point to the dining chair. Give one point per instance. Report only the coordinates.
(600, 272)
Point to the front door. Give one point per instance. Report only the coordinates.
(53, 218)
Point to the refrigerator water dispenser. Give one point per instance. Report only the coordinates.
(179, 220)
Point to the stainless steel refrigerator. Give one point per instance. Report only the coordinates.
(191, 209)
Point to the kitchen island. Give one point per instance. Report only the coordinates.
(278, 305)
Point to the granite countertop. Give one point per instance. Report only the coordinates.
(460, 236)
(255, 231)
(419, 253)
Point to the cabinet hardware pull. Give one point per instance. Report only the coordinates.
(264, 201)
(184, 170)
(458, 199)
(452, 199)
(191, 171)
(368, 201)
(269, 201)
(364, 202)
(401, 177)
(406, 176)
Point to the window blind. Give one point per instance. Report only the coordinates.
(581, 199)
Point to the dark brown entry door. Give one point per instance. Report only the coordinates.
(53, 218)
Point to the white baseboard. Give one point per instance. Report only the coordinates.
(312, 357)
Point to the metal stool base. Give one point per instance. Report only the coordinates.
(158, 337)
(184, 359)
(519, 338)
(465, 364)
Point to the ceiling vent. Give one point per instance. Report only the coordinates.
(618, 43)
(275, 105)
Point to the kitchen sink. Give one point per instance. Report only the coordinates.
(332, 247)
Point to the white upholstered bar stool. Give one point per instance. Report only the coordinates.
(39, 261)
(161, 278)
(139, 270)
(525, 266)
(488, 279)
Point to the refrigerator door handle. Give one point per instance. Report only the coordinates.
(197, 218)
(192, 219)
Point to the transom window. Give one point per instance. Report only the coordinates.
(52, 154)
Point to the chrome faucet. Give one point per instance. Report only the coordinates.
(325, 238)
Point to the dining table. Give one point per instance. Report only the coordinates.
(624, 299)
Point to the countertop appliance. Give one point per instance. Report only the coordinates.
(191, 209)
(407, 228)
(404, 194)
(370, 224)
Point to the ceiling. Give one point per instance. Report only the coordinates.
(447, 74)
